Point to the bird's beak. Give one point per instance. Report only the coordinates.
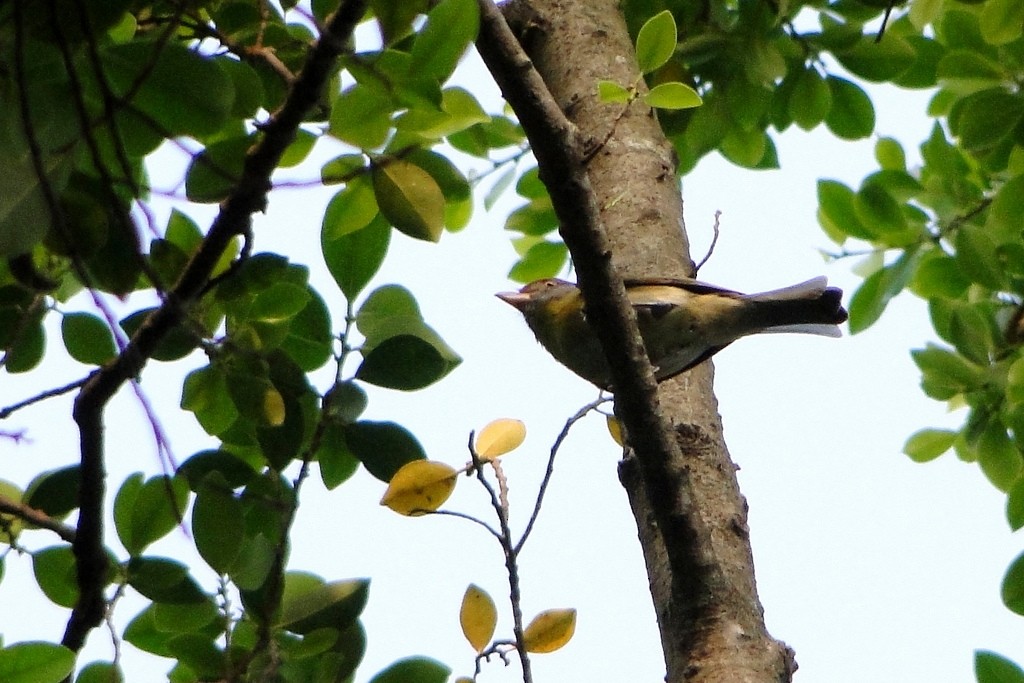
(515, 299)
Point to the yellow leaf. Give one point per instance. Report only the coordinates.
(273, 407)
(499, 437)
(615, 429)
(419, 486)
(549, 630)
(478, 616)
(410, 199)
(463, 679)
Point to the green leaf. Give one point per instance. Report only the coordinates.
(972, 332)
(100, 672)
(279, 302)
(406, 362)
(852, 115)
(217, 523)
(939, 275)
(410, 198)
(946, 371)
(924, 12)
(990, 667)
(878, 209)
(1007, 207)
(612, 92)
(543, 259)
(29, 346)
(153, 72)
(234, 470)
(309, 604)
(337, 462)
(143, 633)
(414, 670)
(55, 492)
(882, 61)
(10, 525)
(35, 663)
(451, 26)
(200, 654)
(175, 345)
(1015, 505)
(499, 188)
(869, 301)
(361, 116)
(656, 42)
(382, 447)
(299, 149)
(836, 211)
(745, 147)
(927, 444)
(215, 171)
(536, 218)
(976, 256)
(343, 169)
(54, 569)
(205, 393)
(965, 71)
(810, 99)
(673, 95)
(345, 402)
(164, 580)
(147, 511)
(1001, 21)
(310, 340)
(353, 208)
(999, 458)
(1013, 586)
(87, 338)
(388, 310)
(890, 155)
(354, 259)
(986, 118)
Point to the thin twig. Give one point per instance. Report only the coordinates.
(462, 515)
(714, 241)
(580, 414)
(37, 518)
(49, 393)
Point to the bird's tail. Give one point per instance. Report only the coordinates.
(810, 307)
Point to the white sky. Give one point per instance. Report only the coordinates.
(869, 566)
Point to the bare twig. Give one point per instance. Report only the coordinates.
(49, 393)
(37, 518)
(462, 515)
(580, 414)
(714, 241)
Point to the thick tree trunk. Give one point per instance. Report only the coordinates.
(711, 621)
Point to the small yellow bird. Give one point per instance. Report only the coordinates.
(682, 322)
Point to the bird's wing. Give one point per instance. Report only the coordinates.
(688, 284)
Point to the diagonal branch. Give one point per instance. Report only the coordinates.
(691, 517)
(560, 155)
(235, 218)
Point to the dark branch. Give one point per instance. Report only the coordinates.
(235, 217)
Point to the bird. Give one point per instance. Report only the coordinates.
(683, 321)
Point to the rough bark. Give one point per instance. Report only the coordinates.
(611, 176)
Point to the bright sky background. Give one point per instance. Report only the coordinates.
(869, 566)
